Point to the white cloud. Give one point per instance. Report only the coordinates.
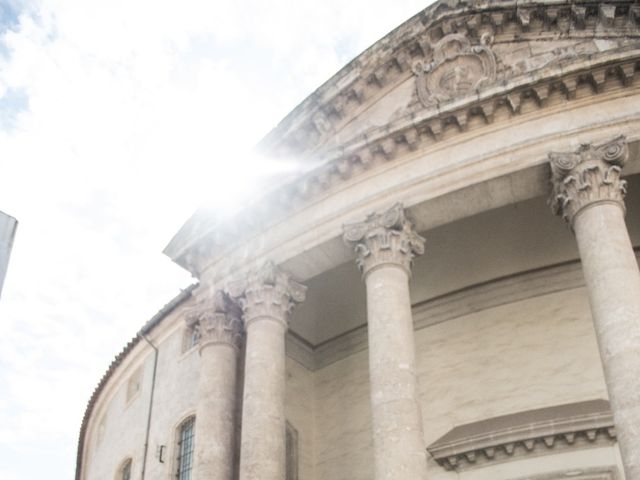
(138, 112)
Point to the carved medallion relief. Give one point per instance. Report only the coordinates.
(459, 66)
(457, 69)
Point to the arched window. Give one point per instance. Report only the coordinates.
(186, 433)
(125, 470)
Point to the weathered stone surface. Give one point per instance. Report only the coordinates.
(384, 239)
(588, 177)
(386, 244)
(267, 297)
(589, 194)
(470, 162)
(220, 327)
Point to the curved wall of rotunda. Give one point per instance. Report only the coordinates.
(451, 118)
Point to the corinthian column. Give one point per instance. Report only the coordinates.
(267, 297)
(220, 328)
(589, 194)
(385, 245)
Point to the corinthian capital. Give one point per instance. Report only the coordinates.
(267, 293)
(218, 321)
(384, 238)
(588, 176)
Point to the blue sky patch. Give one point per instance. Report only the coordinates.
(9, 20)
(12, 103)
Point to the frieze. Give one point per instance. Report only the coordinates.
(419, 130)
(360, 82)
(576, 65)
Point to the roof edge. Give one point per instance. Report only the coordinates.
(117, 361)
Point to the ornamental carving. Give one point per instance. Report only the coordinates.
(217, 321)
(384, 238)
(457, 69)
(589, 175)
(267, 293)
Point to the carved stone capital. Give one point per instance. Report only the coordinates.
(218, 321)
(267, 293)
(383, 239)
(588, 176)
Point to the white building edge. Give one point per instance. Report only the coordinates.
(507, 347)
(8, 227)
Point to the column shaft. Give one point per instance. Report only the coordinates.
(267, 297)
(215, 413)
(218, 322)
(385, 245)
(613, 282)
(263, 441)
(397, 423)
(589, 194)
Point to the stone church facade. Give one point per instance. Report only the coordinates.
(450, 291)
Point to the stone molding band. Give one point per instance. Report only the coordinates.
(493, 293)
(322, 113)
(595, 473)
(535, 431)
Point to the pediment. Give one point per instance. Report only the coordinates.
(451, 52)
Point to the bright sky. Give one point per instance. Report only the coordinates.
(117, 120)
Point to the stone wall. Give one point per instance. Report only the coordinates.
(533, 353)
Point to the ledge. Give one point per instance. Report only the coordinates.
(534, 431)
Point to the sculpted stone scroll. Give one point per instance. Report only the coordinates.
(217, 321)
(587, 176)
(384, 238)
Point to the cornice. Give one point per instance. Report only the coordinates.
(540, 431)
(389, 59)
(403, 137)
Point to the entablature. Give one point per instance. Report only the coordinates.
(567, 84)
